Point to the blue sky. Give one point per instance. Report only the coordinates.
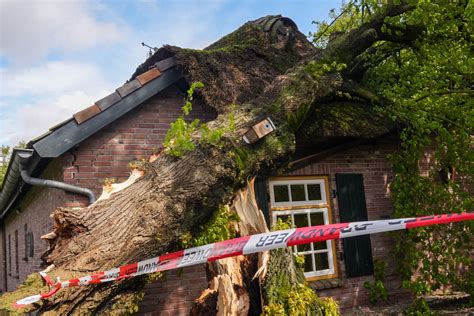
(58, 57)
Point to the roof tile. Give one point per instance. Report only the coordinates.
(107, 101)
(128, 88)
(149, 75)
(165, 64)
(86, 114)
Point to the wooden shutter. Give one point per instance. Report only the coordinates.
(352, 208)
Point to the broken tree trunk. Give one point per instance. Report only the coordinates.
(235, 282)
(176, 195)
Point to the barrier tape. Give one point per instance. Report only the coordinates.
(244, 246)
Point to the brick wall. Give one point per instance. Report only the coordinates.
(34, 211)
(175, 293)
(106, 154)
(134, 136)
(370, 161)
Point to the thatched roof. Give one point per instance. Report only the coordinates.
(242, 65)
(238, 67)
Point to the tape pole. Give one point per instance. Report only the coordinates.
(246, 245)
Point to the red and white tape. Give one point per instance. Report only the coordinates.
(246, 245)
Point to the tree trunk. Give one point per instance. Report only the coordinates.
(176, 195)
(236, 281)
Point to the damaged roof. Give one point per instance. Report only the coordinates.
(236, 69)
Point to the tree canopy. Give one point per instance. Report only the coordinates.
(421, 76)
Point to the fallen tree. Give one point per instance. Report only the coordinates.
(248, 75)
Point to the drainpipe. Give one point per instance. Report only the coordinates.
(55, 184)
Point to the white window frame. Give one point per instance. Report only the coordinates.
(305, 182)
(306, 207)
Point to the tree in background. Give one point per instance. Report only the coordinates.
(424, 81)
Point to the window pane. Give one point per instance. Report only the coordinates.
(320, 245)
(308, 263)
(304, 247)
(297, 192)
(301, 220)
(314, 192)
(322, 262)
(317, 219)
(281, 193)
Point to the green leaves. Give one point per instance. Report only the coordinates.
(217, 229)
(178, 140)
(428, 84)
(377, 290)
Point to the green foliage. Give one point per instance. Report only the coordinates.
(296, 119)
(351, 15)
(126, 304)
(178, 140)
(467, 286)
(329, 307)
(318, 68)
(285, 287)
(33, 284)
(426, 86)
(3, 171)
(419, 307)
(5, 150)
(178, 137)
(377, 290)
(217, 229)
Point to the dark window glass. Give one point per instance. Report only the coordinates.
(27, 243)
(308, 263)
(297, 192)
(320, 245)
(314, 192)
(17, 255)
(317, 219)
(301, 220)
(281, 193)
(32, 244)
(9, 254)
(322, 262)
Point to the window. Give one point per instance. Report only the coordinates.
(26, 243)
(304, 200)
(17, 255)
(31, 245)
(9, 254)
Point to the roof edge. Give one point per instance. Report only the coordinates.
(11, 184)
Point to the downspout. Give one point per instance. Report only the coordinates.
(55, 184)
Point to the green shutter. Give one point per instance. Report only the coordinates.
(352, 208)
(261, 196)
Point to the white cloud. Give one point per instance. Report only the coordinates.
(34, 99)
(30, 30)
(32, 120)
(51, 77)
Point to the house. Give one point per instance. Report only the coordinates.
(340, 172)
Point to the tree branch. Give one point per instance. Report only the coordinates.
(444, 93)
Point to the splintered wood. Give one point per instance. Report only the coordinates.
(231, 281)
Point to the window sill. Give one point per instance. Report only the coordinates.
(326, 284)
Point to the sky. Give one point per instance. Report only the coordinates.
(58, 57)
